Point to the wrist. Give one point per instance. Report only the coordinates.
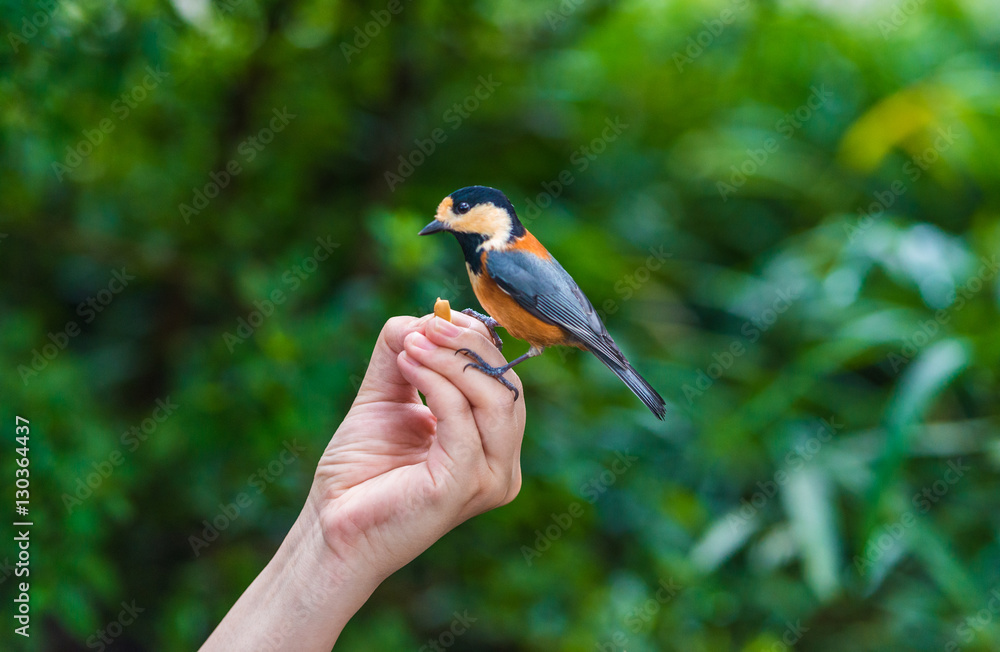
(343, 544)
(302, 599)
(324, 572)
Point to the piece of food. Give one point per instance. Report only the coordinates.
(442, 309)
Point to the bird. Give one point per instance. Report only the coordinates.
(525, 290)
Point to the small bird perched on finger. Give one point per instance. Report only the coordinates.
(526, 290)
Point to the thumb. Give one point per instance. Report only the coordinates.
(382, 381)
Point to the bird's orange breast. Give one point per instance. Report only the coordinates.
(516, 320)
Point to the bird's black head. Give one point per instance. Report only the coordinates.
(481, 218)
(465, 200)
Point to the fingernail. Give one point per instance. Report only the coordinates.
(421, 342)
(447, 328)
(461, 320)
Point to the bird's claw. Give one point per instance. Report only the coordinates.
(490, 323)
(489, 370)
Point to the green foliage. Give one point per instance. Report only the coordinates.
(787, 211)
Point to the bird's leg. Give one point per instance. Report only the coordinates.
(498, 372)
(490, 323)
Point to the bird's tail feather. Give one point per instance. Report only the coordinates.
(635, 382)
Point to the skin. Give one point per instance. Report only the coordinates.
(395, 478)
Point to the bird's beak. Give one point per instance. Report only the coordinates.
(433, 227)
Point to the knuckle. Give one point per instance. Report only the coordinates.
(497, 496)
(480, 483)
(501, 499)
(513, 489)
(489, 491)
(438, 493)
(482, 345)
(409, 338)
(399, 321)
(395, 326)
(499, 409)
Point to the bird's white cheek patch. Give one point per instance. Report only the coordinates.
(490, 221)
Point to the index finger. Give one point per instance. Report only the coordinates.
(465, 321)
(499, 416)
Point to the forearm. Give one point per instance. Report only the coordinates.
(397, 476)
(300, 601)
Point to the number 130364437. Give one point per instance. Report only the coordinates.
(22, 484)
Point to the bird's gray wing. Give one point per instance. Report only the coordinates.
(543, 288)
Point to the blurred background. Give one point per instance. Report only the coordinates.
(787, 212)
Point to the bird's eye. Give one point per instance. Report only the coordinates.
(462, 207)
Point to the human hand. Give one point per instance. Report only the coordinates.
(396, 476)
(399, 474)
